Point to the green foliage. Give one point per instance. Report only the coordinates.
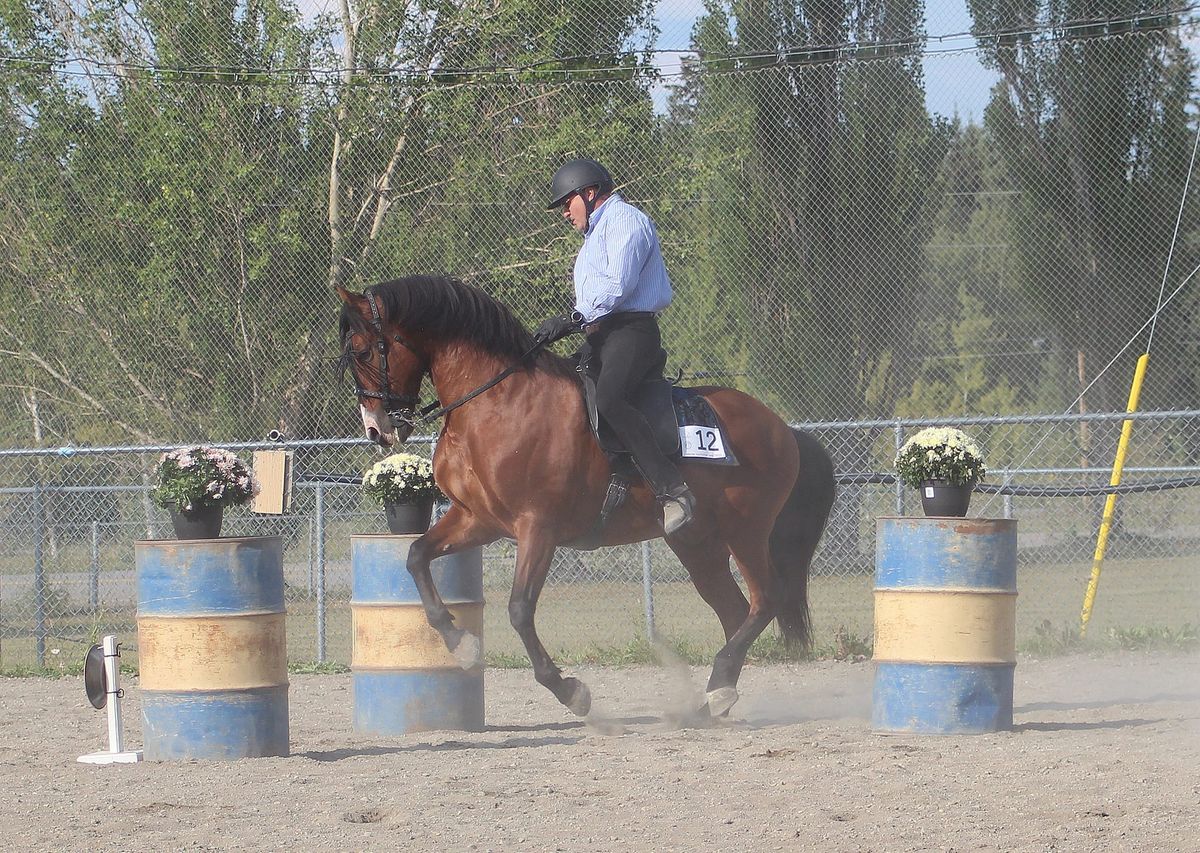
(1049, 639)
(195, 477)
(1090, 134)
(171, 228)
(1130, 639)
(810, 185)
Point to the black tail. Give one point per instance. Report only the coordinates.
(796, 533)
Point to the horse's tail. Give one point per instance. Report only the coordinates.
(796, 533)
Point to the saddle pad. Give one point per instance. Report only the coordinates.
(683, 422)
(700, 433)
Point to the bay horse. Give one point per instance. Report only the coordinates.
(520, 461)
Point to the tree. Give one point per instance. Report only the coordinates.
(831, 160)
(1090, 119)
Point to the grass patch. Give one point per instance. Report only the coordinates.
(1051, 640)
(68, 669)
(1132, 639)
(767, 649)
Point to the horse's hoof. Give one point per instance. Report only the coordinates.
(721, 700)
(468, 652)
(580, 702)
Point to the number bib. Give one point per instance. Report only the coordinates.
(702, 442)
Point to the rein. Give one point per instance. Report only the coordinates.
(405, 412)
(428, 415)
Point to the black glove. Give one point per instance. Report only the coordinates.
(555, 328)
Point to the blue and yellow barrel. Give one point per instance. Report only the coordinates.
(945, 625)
(212, 649)
(405, 679)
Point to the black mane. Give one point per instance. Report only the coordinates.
(447, 308)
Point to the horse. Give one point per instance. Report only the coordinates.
(517, 458)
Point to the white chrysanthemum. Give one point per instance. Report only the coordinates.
(939, 453)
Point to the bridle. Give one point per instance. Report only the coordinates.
(401, 409)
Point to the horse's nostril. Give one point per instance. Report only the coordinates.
(373, 434)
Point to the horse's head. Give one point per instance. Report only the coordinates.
(386, 365)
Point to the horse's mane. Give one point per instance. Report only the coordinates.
(447, 308)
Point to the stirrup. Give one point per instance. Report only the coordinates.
(678, 508)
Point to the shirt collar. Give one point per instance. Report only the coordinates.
(594, 219)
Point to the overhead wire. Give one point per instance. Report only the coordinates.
(1072, 30)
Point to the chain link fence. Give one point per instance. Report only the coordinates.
(68, 568)
(864, 221)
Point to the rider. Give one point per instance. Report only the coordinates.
(620, 286)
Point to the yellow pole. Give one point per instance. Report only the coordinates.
(1111, 502)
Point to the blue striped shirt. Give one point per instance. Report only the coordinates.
(620, 267)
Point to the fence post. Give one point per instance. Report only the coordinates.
(1008, 506)
(39, 575)
(94, 580)
(319, 535)
(648, 590)
(899, 441)
(310, 558)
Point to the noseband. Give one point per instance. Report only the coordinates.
(400, 408)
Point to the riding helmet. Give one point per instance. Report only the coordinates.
(574, 175)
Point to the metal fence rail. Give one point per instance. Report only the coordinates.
(68, 521)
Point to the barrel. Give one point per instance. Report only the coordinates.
(212, 648)
(945, 625)
(405, 679)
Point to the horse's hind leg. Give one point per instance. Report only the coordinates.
(754, 562)
(533, 563)
(707, 563)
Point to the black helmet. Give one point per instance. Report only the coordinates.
(573, 176)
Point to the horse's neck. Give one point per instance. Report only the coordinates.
(459, 367)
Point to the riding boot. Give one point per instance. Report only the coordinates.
(673, 494)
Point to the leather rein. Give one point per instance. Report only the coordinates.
(401, 409)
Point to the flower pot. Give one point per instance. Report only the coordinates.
(941, 498)
(408, 517)
(200, 523)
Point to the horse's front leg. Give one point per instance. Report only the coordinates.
(455, 531)
(534, 553)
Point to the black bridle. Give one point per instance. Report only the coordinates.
(401, 409)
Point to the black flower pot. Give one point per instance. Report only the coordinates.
(941, 498)
(200, 523)
(407, 518)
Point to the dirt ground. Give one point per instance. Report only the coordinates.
(1105, 755)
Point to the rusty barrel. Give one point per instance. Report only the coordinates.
(405, 679)
(212, 648)
(945, 625)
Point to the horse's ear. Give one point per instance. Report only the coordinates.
(348, 297)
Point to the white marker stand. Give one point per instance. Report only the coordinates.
(116, 753)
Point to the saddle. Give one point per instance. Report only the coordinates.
(671, 410)
(684, 426)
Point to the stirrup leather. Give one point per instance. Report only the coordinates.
(618, 488)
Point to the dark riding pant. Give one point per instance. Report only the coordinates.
(624, 350)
